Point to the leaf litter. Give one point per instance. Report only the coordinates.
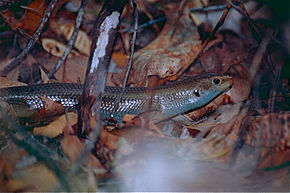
(235, 128)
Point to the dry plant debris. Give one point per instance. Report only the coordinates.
(240, 141)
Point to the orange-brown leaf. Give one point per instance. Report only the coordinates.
(56, 127)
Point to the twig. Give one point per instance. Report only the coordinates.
(132, 49)
(246, 14)
(123, 39)
(274, 72)
(260, 30)
(151, 22)
(70, 44)
(259, 54)
(31, 43)
(277, 83)
(208, 8)
(98, 64)
(204, 44)
(129, 65)
(243, 11)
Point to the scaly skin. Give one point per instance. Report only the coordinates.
(165, 100)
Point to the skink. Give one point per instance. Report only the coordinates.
(166, 100)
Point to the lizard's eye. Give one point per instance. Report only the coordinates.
(196, 92)
(216, 81)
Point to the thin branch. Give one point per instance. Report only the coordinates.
(243, 11)
(212, 33)
(209, 8)
(70, 44)
(129, 65)
(132, 49)
(151, 22)
(31, 43)
(259, 54)
(276, 75)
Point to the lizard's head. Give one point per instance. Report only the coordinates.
(211, 86)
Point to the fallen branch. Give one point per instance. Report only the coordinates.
(98, 64)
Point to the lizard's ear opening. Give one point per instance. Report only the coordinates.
(216, 81)
(196, 92)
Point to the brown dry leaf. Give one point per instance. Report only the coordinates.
(73, 70)
(120, 59)
(35, 178)
(226, 50)
(222, 130)
(82, 43)
(73, 148)
(8, 159)
(271, 130)
(169, 53)
(240, 90)
(109, 140)
(225, 121)
(56, 127)
(106, 147)
(56, 48)
(274, 159)
(211, 148)
(241, 87)
(44, 77)
(6, 82)
(209, 108)
(31, 19)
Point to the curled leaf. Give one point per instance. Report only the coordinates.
(82, 43)
(56, 127)
(55, 48)
(169, 53)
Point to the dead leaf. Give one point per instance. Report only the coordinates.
(55, 128)
(169, 53)
(6, 82)
(226, 50)
(8, 159)
(82, 43)
(56, 48)
(209, 108)
(73, 148)
(120, 59)
(275, 159)
(271, 130)
(44, 77)
(73, 70)
(35, 178)
(30, 20)
(226, 121)
(241, 87)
